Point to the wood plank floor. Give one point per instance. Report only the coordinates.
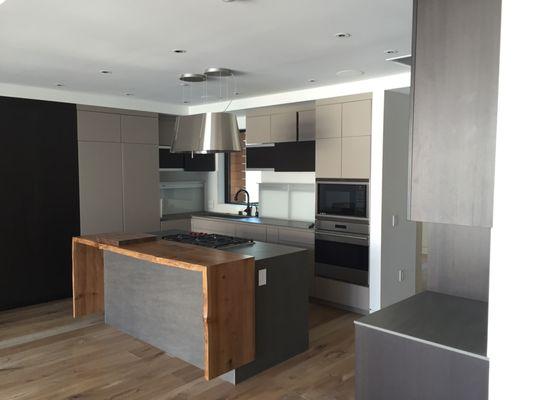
(45, 355)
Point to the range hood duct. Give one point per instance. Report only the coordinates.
(212, 132)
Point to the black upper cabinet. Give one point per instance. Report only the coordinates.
(295, 157)
(170, 160)
(199, 162)
(260, 157)
(39, 206)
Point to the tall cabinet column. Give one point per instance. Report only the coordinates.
(118, 167)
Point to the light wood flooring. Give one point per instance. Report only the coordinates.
(45, 354)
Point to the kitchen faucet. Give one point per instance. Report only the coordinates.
(248, 209)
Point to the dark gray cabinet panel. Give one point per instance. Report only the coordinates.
(455, 83)
(389, 367)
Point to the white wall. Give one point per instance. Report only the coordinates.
(510, 346)
(398, 243)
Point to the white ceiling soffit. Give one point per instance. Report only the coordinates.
(273, 45)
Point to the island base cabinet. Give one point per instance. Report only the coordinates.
(388, 366)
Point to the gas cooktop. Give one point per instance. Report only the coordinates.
(208, 240)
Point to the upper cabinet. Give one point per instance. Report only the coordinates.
(98, 126)
(455, 88)
(357, 118)
(142, 130)
(328, 121)
(258, 129)
(306, 125)
(167, 124)
(343, 137)
(283, 127)
(281, 124)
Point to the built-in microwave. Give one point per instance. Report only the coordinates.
(342, 198)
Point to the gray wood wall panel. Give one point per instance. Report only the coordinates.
(458, 260)
(100, 174)
(160, 305)
(455, 83)
(392, 367)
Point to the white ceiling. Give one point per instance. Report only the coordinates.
(275, 45)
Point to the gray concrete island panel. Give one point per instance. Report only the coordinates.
(157, 304)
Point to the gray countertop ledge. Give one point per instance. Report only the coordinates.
(446, 321)
(241, 219)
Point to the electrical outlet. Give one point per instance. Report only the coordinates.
(394, 221)
(211, 204)
(262, 277)
(401, 275)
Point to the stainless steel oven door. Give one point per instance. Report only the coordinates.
(342, 257)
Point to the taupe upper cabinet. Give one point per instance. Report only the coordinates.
(455, 89)
(283, 127)
(258, 129)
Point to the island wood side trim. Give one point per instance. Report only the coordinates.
(229, 316)
(87, 279)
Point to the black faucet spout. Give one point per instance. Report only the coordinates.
(248, 210)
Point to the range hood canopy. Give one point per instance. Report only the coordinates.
(212, 132)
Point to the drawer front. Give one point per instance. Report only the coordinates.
(181, 224)
(296, 237)
(209, 226)
(251, 232)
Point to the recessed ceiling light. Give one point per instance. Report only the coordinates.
(391, 51)
(312, 80)
(346, 73)
(343, 35)
(105, 71)
(179, 51)
(128, 94)
(185, 102)
(236, 93)
(58, 84)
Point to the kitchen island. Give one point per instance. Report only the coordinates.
(205, 306)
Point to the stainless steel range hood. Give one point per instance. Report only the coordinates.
(212, 132)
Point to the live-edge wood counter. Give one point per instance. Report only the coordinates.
(228, 284)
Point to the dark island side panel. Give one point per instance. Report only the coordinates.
(39, 202)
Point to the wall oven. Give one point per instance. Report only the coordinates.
(341, 250)
(346, 199)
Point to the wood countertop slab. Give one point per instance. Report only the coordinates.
(228, 287)
(165, 252)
